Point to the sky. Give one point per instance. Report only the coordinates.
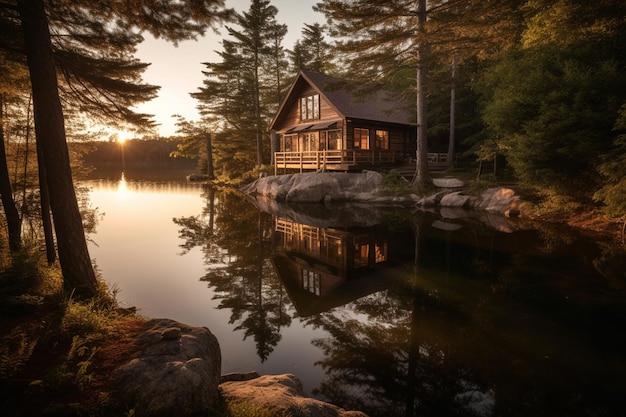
(178, 70)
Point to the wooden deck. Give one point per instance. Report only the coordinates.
(345, 160)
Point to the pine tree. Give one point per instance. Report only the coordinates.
(245, 88)
(381, 40)
(318, 52)
(74, 22)
(258, 32)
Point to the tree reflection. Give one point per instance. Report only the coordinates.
(386, 362)
(233, 237)
(458, 320)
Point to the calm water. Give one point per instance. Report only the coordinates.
(391, 312)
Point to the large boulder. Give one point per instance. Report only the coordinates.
(281, 395)
(175, 371)
(317, 187)
(499, 200)
(455, 199)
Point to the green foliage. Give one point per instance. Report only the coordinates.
(476, 187)
(29, 274)
(551, 203)
(395, 184)
(613, 170)
(551, 110)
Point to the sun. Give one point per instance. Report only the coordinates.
(123, 136)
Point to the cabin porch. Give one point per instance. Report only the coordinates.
(334, 160)
(346, 160)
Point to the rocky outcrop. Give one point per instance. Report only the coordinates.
(367, 187)
(327, 187)
(175, 371)
(281, 395)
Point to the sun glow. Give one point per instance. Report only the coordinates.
(123, 136)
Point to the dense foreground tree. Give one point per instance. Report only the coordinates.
(176, 21)
(552, 102)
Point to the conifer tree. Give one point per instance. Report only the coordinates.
(54, 35)
(316, 51)
(381, 40)
(245, 88)
(258, 32)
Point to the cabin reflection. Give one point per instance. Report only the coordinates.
(323, 268)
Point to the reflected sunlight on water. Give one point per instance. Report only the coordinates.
(137, 248)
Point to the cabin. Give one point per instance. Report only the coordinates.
(326, 123)
(325, 267)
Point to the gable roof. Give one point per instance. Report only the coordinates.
(372, 104)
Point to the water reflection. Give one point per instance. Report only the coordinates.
(424, 313)
(389, 311)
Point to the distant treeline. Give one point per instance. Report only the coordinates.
(136, 152)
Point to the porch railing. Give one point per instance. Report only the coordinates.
(316, 160)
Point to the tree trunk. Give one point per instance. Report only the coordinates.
(14, 222)
(78, 273)
(273, 145)
(209, 158)
(422, 174)
(452, 139)
(44, 198)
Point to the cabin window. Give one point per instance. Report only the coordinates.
(382, 139)
(361, 254)
(334, 140)
(311, 281)
(361, 138)
(290, 143)
(309, 142)
(381, 251)
(330, 140)
(310, 107)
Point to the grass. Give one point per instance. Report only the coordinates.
(50, 342)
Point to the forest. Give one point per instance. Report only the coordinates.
(532, 92)
(535, 89)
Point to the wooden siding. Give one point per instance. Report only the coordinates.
(401, 138)
(292, 115)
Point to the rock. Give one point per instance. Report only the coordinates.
(281, 395)
(312, 188)
(197, 177)
(447, 226)
(499, 200)
(455, 199)
(239, 376)
(176, 371)
(432, 200)
(448, 183)
(316, 187)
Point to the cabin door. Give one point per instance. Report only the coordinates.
(310, 141)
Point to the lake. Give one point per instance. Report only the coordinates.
(394, 312)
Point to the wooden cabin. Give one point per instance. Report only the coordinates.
(322, 268)
(326, 123)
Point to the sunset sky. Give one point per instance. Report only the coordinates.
(178, 70)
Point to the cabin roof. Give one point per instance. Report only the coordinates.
(349, 99)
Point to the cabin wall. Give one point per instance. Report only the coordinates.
(292, 117)
(402, 139)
